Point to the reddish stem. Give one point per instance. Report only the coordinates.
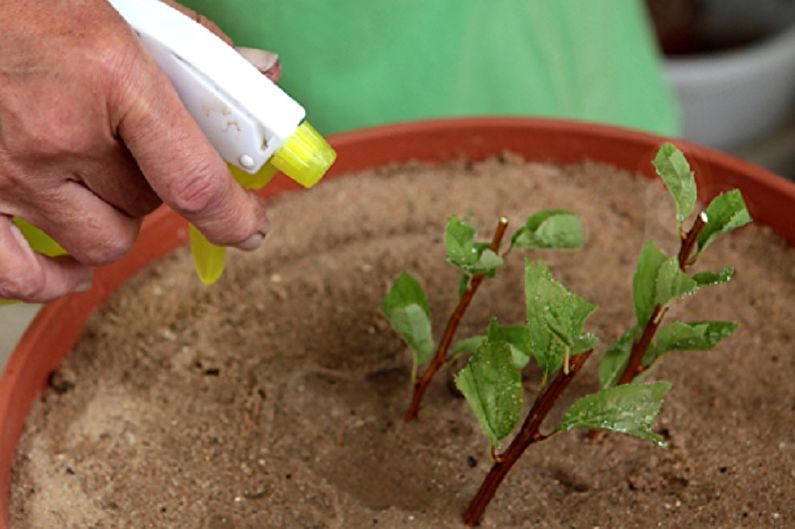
(529, 434)
(449, 332)
(689, 241)
(635, 363)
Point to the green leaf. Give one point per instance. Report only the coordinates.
(709, 279)
(458, 241)
(672, 283)
(516, 336)
(615, 359)
(487, 263)
(492, 386)
(406, 308)
(644, 290)
(725, 213)
(471, 257)
(629, 409)
(555, 319)
(466, 346)
(675, 172)
(553, 228)
(658, 280)
(692, 336)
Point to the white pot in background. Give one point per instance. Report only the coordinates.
(731, 98)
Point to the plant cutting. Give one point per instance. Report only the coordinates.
(660, 279)
(554, 334)
(406, 305)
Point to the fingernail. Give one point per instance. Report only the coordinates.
(263, 60)
(252, 243)
(85, 286)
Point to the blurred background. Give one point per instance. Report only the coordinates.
(731, 64)
(716, 72)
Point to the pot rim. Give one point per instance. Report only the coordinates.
(50, 337)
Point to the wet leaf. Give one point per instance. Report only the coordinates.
(458, 241)
(658, 280)
(691, 336)
(629, 409)
(516, 336)
(406, 308)
(725, 213)
(615, 359)
(492, 386)
(471, 257)
(487, 263)
(675, 172)
(554, 228)
(672, 283)
(555, 319)
(709, 279)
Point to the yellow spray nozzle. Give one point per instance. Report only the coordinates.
(305, 156)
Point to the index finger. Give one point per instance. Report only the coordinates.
(182, 166)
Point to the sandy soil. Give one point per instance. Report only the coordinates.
(274, 399)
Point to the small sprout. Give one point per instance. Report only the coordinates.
(477, 262)
(660, 280)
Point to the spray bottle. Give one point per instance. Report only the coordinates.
(253, 124)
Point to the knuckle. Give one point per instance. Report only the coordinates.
(21, 282)
(197, 192)
(114, 58)
(109, 247)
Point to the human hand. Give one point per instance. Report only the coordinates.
(92, 138)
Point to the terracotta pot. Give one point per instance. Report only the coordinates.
(51, 336)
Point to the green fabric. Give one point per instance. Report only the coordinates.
(356, 63)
